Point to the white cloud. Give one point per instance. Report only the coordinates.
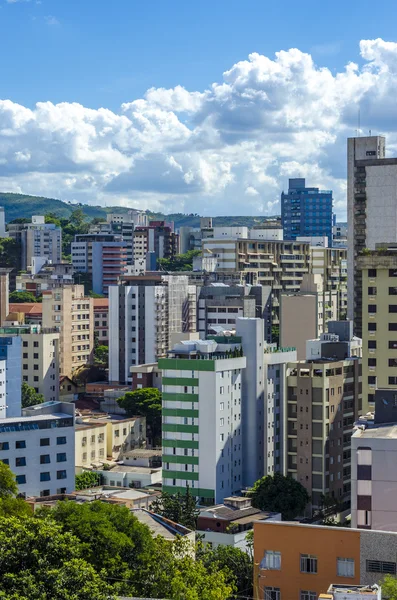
(228, 149)
(51, 20)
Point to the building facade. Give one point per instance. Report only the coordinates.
(73, 314)
(101, 320)
(37, 239)
(40, 358)
(306, 211)
(323, 401)
(298, 562)
(4, 294)
(10, 377)
(202, 437)
(39, 448)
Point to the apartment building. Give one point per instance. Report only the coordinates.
(202, 420)
(346, 591)
(372, 218)
(339, 342)
(37, 239)
(280, 265)
(306, 211)
(293, 561)
(102, 437)
(101, 320)
(275, 360)
(39, 448)
(339, 235)
(143, 313)
(104, 256)
(48, 277)
(10, 376)
(323, 401)
(90, 443)
(158, 237)
(221, 305)
(4, 294)
(374, 466)
(378, 271)
(40, 358)
(69, 310)
(305, 314)
(331, 263)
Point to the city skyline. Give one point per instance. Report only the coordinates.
(140, 112)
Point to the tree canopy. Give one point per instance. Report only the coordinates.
(180, 262)
(20, 297)
(86, 479)
(29, 396)
(389, 587)
(146, 403)
(101, 355)
(180, 508)
(277, 493)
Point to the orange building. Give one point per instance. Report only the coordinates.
(298, 562)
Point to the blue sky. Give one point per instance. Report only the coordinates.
(205, 149)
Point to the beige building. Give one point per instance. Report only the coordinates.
(305, 315)
(331, 263)
(323, 401)
(4, 293)
(40, 358)
(90, 443)
(68, 309)
(379, 320)
(101, 437)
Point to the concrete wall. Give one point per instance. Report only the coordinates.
(298, 321)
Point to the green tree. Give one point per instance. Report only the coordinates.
(52, 218)
(146, 403)
(40, 562)
(22, 297)
(10, 254)
(180, 508)
(87, 479)
(277, 493)
(389, 587)
(179, 262)
(30, 397)
(101, 354)
(8, 484)
(236, 562)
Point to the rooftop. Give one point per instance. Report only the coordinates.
(142, 453)
(121, 468)
(159, 525)
(381, 430)
(101, 303)
(30, 308)
(11, 421)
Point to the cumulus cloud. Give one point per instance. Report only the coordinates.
(227, 149)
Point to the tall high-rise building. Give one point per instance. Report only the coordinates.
(37, 239)
(323, 401)
(4, 294)
(202, 420)
(306, 211)
(371, 209)
(143, 313)
(378, 271)
(10, 376)
(69, 310)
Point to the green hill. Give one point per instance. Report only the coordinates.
(19, 206)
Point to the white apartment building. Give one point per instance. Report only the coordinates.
(202, 421)
(39, 448)
(69, 310)
(142, 316)
(40, 358)
(38, 239)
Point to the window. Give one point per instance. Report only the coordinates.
(45, 476)
(345, 567)
(379, 566)
(371, 326)
(392, 272)
(372, 362)
(222, 422)
(371, 273)
(44, 493)
(271, 561)
(20, 444)
(5, 461)
(20, 461)
(222, 389)
(61, 474)
(61, 440)
(45, 459)
(305, 595)
(44, 441)
(372, 291)
(392, 380)
(61, 457)
(392, 326)
(221, 406)
(392, 308)
(371, 379)
(372, 308)
(222, 437)
(272, 593)
(308, 563)
(117, 433)
(4, 446)
(372, 344)
(21, 479)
